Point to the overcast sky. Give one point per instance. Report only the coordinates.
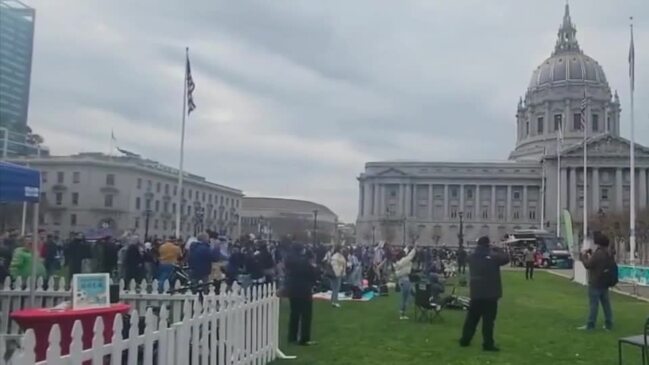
(293, 97)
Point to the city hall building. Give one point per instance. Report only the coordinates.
(425, 201)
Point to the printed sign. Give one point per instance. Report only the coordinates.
(90, 291)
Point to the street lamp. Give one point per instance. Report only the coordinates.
(315, 226)
(460, 235)
(198, 219)
(147, 214)
(373, 236)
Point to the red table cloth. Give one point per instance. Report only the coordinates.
(41, 320)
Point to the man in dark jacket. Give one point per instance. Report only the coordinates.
(76, 252)
(597, 263)
(200, 259)
(301, 275)
(486, 290)
(134, 261)
(461, 260)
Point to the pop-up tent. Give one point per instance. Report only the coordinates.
(22, 184)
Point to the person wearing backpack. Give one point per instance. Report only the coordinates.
(602, 275)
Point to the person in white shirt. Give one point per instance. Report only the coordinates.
(402, 270)
(339, 266)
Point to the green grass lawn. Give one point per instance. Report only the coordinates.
(536, 324)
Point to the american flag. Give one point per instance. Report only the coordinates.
(583, 107)
(190, 88)
(632, 60)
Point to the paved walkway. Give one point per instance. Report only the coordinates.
(636, 291)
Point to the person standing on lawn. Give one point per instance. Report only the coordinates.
(339, 266)
(461, 260)
(301, 275)
(485, 287)
(402, 270)
(602, 274)
(530, 256)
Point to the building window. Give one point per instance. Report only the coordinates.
(44, 176)
(175, 190)
(485, 212)
(594, 120)
(532, 214)
(149, 185)
(576, 121)
(453, 212)
(76, 177)
(469, 213)
(558, 122)
(137, 203)
(155, 224)
(147, 204)
(500, 210)
(610, 125)
(203, 198)
(469, 194)
(75, 198)
(108, 201)
(189, 210)
(166, 189)
(157, 187)
(73, 219)
(604, 195)
(516, 215)
(173, 208)
(139, 182)
(157, 205)
(59, 198)
(517, 195)
(164, 225)
(221, 199)
(527, 128)
(59, 177)
(454, 193)
(196, 195)
(136, 224)
(165, 207)
(110, 179)
(539, 125)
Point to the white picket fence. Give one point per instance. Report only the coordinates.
(48, 294)
(235, 327)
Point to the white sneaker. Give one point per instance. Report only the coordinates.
(404, 318)
(335, 305)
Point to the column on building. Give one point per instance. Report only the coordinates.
(375, 200)
(524, 210)
(446, 201)
(595, 196)
(573, 191)
(605, 117)
(493, 203)
(509, 203)
(401, 200)
(548, 124)
(367, 200)
(361, 196)
(618, 190)
(379, 209)
(406, 212)
(642, 188)
(461, 209)
(430, 202)
(476, 208)
(564, 121)
(564, 188)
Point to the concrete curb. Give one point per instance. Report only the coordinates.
(617, 291)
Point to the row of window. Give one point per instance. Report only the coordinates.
(58, 198)
(197, 195)
(454, 192)
(500, 213)
(76, 177)
(165, 208)
(577, 124)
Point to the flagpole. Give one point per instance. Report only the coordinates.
(182, 148)
(110, 145)
(543, 192)
(559, 132)
(585, 208)
(632, 242)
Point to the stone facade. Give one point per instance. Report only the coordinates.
(85, 192)
(415, 201)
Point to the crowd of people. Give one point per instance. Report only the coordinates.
(299, 269)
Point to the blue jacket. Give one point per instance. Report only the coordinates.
(200, 260)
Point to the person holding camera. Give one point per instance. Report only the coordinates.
(602, 275)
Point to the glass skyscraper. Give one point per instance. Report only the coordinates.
(16, 44)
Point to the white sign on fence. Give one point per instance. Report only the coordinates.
(90, 290)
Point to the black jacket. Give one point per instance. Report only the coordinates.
(300, 277)
(484, 268)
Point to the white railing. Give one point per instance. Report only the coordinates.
(48, 294)
(237, 327)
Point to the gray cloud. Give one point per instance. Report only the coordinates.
(294, 97)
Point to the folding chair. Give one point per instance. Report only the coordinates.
(426, 309)
(641, 341)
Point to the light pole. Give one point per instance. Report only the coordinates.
(315, 226)
(198, 220)
(404, 231)
(460, 235)
(147, 215)
(373, 236)
(221, 210)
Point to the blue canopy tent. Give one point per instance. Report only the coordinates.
(22, 184)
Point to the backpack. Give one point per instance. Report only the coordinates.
(609, 276)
